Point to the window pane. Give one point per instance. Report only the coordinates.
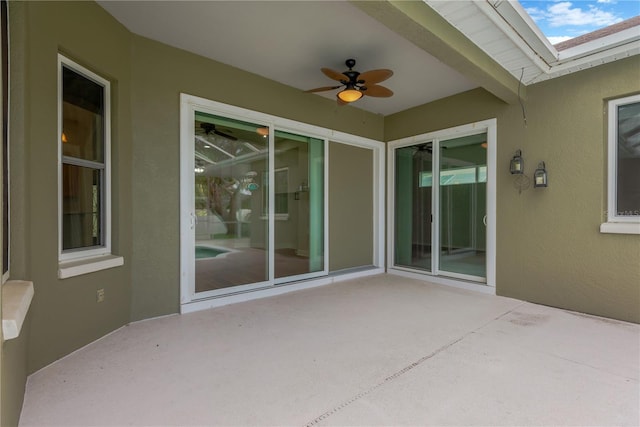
(82, 117)
(81, 207)
(628, 173)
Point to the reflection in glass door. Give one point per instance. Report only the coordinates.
(249, 233)
(231, 234)
(413, 194)
(441, 206)
(298, 205)
(463, 207)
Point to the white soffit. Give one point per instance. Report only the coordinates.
(504, 31)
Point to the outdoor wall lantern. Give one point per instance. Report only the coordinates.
(540, 176)
(517, 164)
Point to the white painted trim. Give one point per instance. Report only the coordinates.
(104, 249)
(187, 203)
(190, 104)
(438, 280)
(16, 299)
(204, 304)
(78, 266)
(620, 227)
(379, 208)
(490, 127)
(599, 45)
(616, 223)
(492, 199)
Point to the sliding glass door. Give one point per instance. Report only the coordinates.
(258, 211)
(463, 207)
(440, 207)
(298, 205)
(231, 241)
(414, 194)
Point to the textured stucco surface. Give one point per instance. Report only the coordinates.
(549, 247)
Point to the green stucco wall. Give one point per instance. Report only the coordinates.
(14, 376)
(350, 206)
(549, 248)
(64, 313)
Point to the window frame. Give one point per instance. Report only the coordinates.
(93, 253)
(622, 224)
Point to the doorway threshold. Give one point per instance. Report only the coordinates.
(439, 280)
(273, 290)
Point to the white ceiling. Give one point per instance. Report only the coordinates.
(290, 41)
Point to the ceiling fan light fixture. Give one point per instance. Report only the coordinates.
(350, 94)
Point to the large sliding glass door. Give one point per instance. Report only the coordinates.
(440, 202)
(257, 205)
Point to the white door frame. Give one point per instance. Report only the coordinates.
(488, 126)
(188, 299)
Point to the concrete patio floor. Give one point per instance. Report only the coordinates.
(382, 350)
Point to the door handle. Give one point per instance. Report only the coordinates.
(194, 220)
(484, 220)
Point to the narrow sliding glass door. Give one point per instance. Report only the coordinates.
(413, 201)
(463, 207)
(257, 205)
(231, 237)
(440, 207)
(298, 205)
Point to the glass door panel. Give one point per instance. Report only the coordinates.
(463, 201)
(413, 192)
(298, 205)
(231, 230)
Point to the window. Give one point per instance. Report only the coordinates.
(84, 173)
(623, 209)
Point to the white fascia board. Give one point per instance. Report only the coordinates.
(603, 57)
(602, 44)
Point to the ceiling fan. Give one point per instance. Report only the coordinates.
(210, 128)
(356, 84)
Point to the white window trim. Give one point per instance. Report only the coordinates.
(616, 223)
(84, 261)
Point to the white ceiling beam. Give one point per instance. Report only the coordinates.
(425, 28)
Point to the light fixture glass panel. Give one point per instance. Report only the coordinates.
(350, 95)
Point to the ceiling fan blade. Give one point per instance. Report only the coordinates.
(378, 91)
(375, 76)
(334, 74)
(322, 89)
(224, 135)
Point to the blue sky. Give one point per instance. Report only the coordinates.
(562, 20)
